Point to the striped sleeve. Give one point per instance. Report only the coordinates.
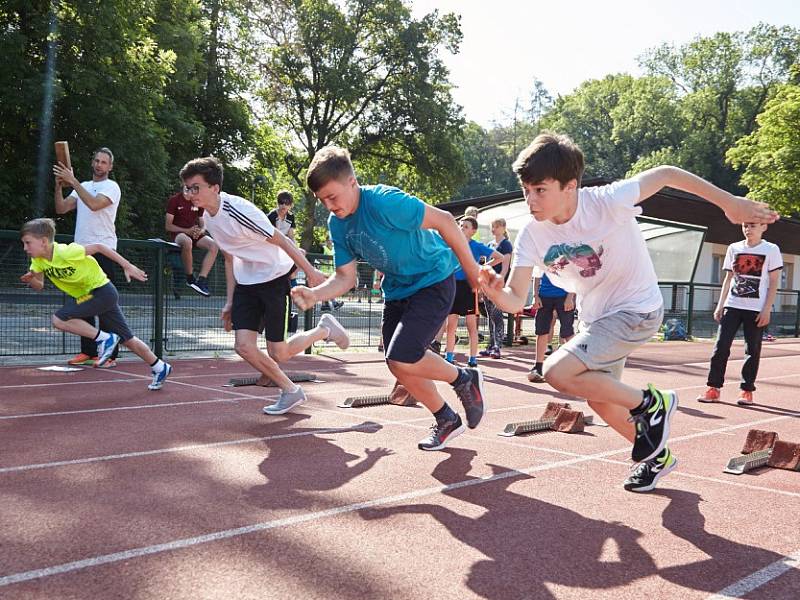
(249, 217)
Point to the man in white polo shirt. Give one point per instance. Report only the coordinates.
(96, 202)
(259, 261)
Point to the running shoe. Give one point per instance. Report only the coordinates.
(495, 353)
(710, 395)
(200, 285)
(472, 396)
(336, 333)
(472, 364)
(106, 348)
(745, 398)
(82, 359)
(159, 377)
(441, 434)
(645, 476)
(109, 364)
(534, 376)
(436, 346)
(286, 402)
(652, 424)
(486, 353)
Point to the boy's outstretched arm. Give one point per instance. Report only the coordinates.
(131, 271)
(737, 209)
(35, 281)
(313, 275)
(443, 222)
(510, 299)
(338, 284)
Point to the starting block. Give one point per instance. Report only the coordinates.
(295, 376)
(399, 396)
(557, 416)
(763, 448)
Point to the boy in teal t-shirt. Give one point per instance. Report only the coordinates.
(72, 270)
(417, 247)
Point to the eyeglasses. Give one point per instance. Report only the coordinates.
(193, 190)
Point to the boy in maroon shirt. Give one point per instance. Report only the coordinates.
(185, 225)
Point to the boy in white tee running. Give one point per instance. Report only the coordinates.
(588, 242)
(752, 272)
(259, 261)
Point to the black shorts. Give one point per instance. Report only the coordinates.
(102, 302)
(263, 307)
(464, 300)
(544, 317)
(409, 325)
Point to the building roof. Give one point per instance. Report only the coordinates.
(671, 205)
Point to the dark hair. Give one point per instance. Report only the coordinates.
(208, 167)
(550, 156)
(285, 197)
(329, 163)
(472, 221)
(40, 228)
(104, 150)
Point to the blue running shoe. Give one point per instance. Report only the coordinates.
(441, 434)
(159, 377)
(106, 348)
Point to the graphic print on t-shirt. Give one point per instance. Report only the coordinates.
(368, 249)
(581, 255)
(747, 275)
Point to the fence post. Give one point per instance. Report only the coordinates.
(158, 305)
(797, 317)
(307, 316)
(691, 310)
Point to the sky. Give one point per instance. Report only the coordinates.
(509, 43)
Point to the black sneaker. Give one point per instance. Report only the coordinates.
(200, 285)
(549, 350)
(652, 424)
(472, 397)
(436, 346)
(441, 434)
(645, 476)
(190, 280)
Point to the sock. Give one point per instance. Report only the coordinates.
(462, 377)
(450, 356)
(646, 399)
(101, 336)
(201, 279)
(445, 414)
(295, 390)
(539, 366)
(190, 278)
(157, 366)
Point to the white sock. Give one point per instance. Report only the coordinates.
(102, 336)
(295, 390)
(157, 366)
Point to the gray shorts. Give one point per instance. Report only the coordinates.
(605, 344)
(102, 302)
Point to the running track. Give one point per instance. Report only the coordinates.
(110, 491)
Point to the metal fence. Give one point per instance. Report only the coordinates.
(171, 317)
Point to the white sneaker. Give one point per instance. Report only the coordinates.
(286, 402)
(336, 333)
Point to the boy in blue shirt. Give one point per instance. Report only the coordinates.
(547, 299)
(391, 231)
(465, 301)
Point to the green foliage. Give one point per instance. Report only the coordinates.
(367, 76)
(770, 156)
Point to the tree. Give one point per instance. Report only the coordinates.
(488, 166)
(366, 75)
(770, 156)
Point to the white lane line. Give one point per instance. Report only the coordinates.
(94, 459)
(761, 577)
(134, 553)
(113, 408)
(702, 429)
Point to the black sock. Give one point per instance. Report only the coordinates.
(462, 377)
(189, 278)
(445, 414)
(538, 367)
(155, 362)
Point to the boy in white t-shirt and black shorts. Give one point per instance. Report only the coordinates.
(752, 268)
(259, 261)
(588, 242)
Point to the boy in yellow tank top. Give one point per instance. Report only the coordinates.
(74, 271)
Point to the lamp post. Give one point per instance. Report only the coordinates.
(257, 180)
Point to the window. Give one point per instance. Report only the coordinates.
(787, 276)
(717, 260)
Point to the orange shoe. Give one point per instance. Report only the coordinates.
(109, 364)
(710, 395)
(81, 359)
(745, 398)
